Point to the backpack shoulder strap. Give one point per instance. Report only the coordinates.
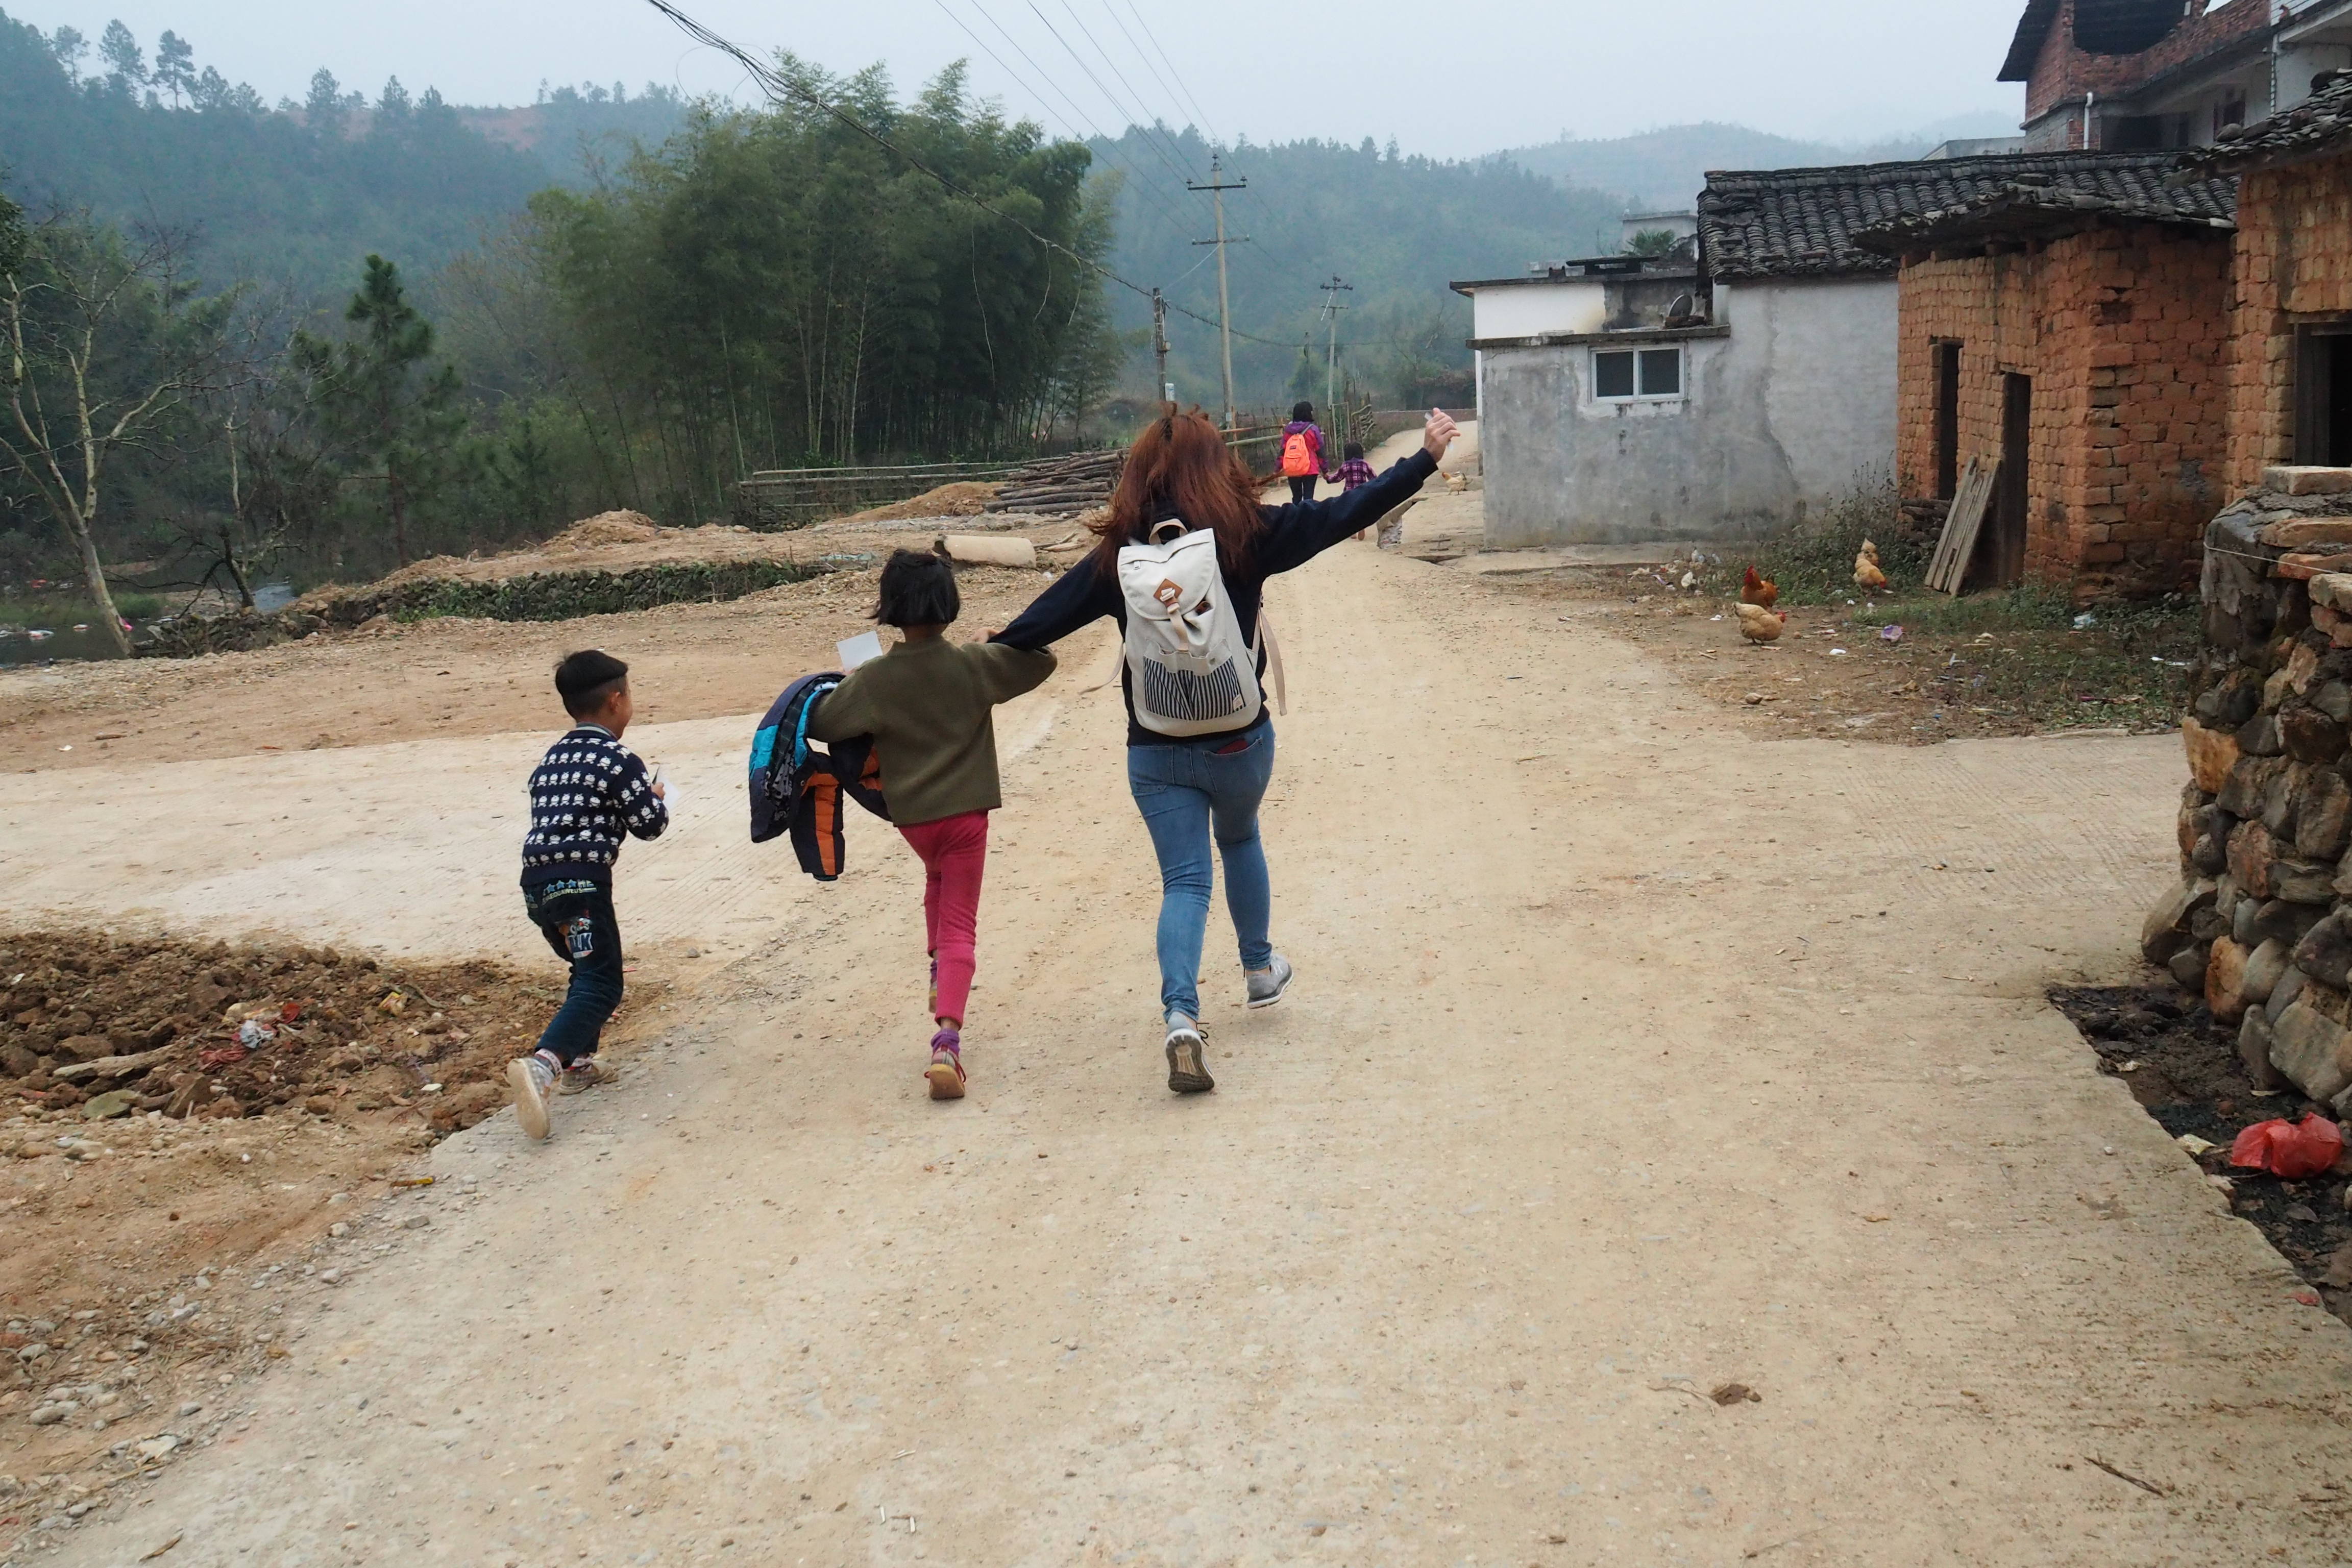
(1274, 664)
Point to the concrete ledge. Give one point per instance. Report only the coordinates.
(2298, 479)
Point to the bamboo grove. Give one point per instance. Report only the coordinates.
(774, 289)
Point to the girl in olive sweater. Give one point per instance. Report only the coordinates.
(929, 705)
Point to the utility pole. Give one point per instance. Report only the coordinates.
(1331, 309)
(1224, 299)
(1160, 346)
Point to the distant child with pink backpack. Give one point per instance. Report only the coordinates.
(1302, 451)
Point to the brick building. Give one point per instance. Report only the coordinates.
(2071, 327)
(2140, 75)
(2290, 366)
(2118, 75)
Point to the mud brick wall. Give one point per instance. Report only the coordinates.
(2261, 920)
(2294, 264)
(2124, 331)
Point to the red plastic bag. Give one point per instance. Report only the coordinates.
(2289, 1150)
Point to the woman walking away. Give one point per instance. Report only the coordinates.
(1302, 451)
(1180, 565)
(927, 704)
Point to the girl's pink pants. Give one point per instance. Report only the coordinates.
(954, 851)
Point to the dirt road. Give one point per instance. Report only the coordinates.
(1632, 1055)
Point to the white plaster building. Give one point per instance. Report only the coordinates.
(1607, 417)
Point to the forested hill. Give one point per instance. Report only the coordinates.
(1665, 169)
(140, 131)
(1397, 228)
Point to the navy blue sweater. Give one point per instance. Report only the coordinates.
(1294, 534)
(586, 795)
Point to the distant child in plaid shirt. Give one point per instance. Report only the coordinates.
(1355, 471)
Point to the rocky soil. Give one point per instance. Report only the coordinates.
(190, 1128)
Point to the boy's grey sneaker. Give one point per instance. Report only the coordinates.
(531, 1078)
(1188, 1063)
(581, 1076)
(1268, 986)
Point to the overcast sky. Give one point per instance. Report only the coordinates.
(1446, 80)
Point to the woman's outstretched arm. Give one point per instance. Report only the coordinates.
(1079, 597)
(1300, 531)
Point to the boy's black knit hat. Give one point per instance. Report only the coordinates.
(583, 679)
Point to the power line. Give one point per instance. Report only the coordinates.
(1146, 123)
(1187, 90)
(1166, 209)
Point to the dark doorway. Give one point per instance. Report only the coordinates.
(1947, 420)
(2323, 398)
(2004, 553)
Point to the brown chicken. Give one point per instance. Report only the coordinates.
(1758, 591)
(1757, 623)
(1866, 574)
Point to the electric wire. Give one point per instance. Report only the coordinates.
(1143, 187)
(1149, 123)
(1133, 116)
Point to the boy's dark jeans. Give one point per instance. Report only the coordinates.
(577, 920)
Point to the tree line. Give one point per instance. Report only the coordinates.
(761, 288)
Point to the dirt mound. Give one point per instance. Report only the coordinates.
(105, 1029)
(965, 498)
(608, 528)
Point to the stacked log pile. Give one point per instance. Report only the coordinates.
(1078, 482)
(2260, 923)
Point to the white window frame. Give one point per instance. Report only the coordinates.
(1682, 375)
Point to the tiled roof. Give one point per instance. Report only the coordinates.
(2026, 48)
(2318, 126)
(2038, 205)
(1802, 222)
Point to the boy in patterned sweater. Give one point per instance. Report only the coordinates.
(587, 792)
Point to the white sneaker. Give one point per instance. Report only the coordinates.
(1188, 1062)
(531, 1077)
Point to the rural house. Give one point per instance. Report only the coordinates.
(2064, 332)
(1623, 400)
(2290, 368)
(2121, 76)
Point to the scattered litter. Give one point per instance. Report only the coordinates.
(1837, 653)
(2291, 1151)
(1890, 633)
(395, 1003)
(214, 1058)
(2086, 621)
(2195, 1145)
(253, 1034)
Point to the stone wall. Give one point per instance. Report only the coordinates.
(2124, 331)
(2295, 265)
(2260, 923)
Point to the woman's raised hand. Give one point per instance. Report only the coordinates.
(1437, 433)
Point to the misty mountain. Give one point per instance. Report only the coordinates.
(1665, 169)
(291, 193)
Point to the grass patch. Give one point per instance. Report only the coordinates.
(2020, 653)
(1812, 564)
(567, 595)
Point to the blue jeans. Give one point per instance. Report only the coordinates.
(1185, 794)
(582, 929)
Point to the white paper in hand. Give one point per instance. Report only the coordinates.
(859, 649)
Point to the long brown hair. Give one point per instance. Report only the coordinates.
(1180, 468)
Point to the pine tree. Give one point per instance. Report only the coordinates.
(126, 63)
(175, 70)
(386, 406)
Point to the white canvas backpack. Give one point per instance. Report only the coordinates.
(1192, 671)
